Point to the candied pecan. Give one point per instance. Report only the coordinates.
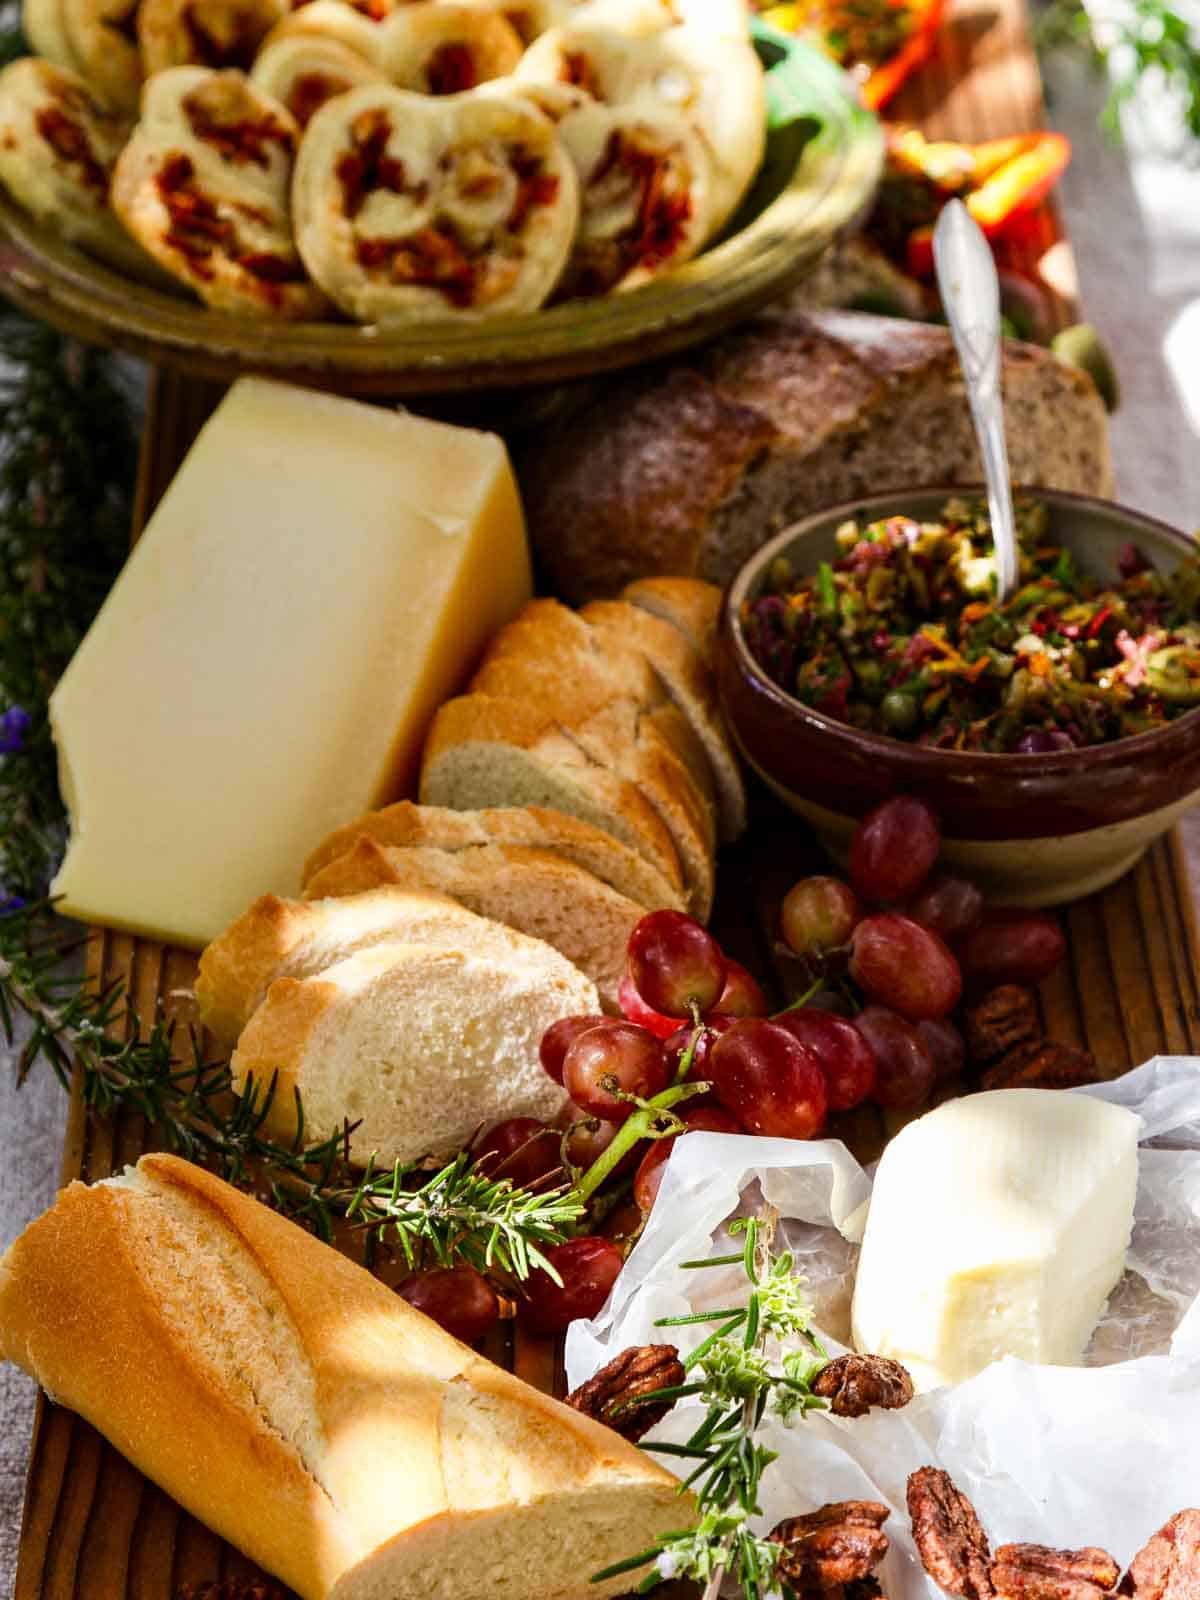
(1168, 1565)
(1043, 1064)
(1038, 1572)
(621, 1393)
(1004, 1019)
(949, 1538)
(840, 1543)
(232, 1589)
(853, 1384)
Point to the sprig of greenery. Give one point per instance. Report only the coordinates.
(738, 1385)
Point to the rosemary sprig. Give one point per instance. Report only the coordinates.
(739, 1384)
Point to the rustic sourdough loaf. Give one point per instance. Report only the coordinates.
(300, 938)
(535, 827)
(531, 890)
(418, 1044)
(305, 1412)
(690, 467)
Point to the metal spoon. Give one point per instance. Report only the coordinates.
(970, 290)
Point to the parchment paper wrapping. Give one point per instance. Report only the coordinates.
(1101, 1454)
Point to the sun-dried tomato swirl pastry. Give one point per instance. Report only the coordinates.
(635, 17)
(409, 207)
(716, 82)
(333, 19)
(203, 185)
(303, 71)
(435, 47)
(205, 33)
(57, 149)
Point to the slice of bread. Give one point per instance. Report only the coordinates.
(530, 890)
(406, 823)
(483, 752)
(419, 1044)
(688, 682)
(688, 604)
(300, 938)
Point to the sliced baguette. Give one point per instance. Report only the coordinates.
(300, 938)
(530, 890)
(688, 682)
(688, 604)
(305, 1412)
(405, 823)
(418, 1044)
(483, 753)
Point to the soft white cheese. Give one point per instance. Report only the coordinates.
(998, 1226)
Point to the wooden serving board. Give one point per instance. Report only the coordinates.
(94, 1528)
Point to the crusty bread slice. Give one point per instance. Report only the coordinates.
(530, 890)
(688, 682)
(300, 938)
(406, 823)
(483, 753)
(307, 1413)
(688, 604)
(418, 1044)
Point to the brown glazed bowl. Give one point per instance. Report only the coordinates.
(1030, 829)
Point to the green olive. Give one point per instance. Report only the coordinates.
(1174, 673)
(1081, 346)
(898, 711)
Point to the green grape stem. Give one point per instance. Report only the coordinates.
(651, 1120)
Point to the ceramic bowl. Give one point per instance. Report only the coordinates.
(1030, 829)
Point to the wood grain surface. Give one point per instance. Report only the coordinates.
(94, 1529)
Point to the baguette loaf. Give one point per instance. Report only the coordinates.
(419, 1045)
(534, 827)
(530, 890)
(690, 467)
(690, 605)
(300, 938)
(306, 1413)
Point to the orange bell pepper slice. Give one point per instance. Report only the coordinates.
(887, 77)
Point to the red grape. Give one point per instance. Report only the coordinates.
(705, 1119)
(458, 1299)
(674, 1048)
(894, 850)
(770, 1081)
(905, 966)
(903, 1061)
(587, 1138)
(946, 1045)
(588, 1268)
(675, 964)
(950, 906)
(818, 914)
(521, 1149)
(558, 1039)
(1012, 947)
(635, 1009)
(741, 996)
(622, 1052)
(843, 1054)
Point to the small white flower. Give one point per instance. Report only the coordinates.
(667, 1563)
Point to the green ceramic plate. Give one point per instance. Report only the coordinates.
(823, 159)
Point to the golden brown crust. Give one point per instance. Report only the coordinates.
(690, 605)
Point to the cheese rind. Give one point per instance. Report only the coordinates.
(319, 577)
(998, 1226)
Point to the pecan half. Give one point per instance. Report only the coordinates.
(1005, 1018)
(1168, 1565)
(1042, 1064)
(840, 1543)
(1037, 1572)
(853, 1384)
(949, 1537)
(621, 1393)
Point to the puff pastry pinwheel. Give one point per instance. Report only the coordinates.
(206, 33)
(203, 186)
(716, 82)
(57, 149)
(410, 208)
(436, 47)
(635, 17)
(333, 19)
(101, 38)
(304, 70)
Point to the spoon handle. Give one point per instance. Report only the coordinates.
(970, 290)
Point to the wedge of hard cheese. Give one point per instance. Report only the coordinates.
(306, 1413)
(319, 577)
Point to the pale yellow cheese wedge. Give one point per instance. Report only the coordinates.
(319, 577)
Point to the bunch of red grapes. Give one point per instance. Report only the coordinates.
(889, 954)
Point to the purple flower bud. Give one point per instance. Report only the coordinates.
(1043, 742)
(14, 725)
(11, 902)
